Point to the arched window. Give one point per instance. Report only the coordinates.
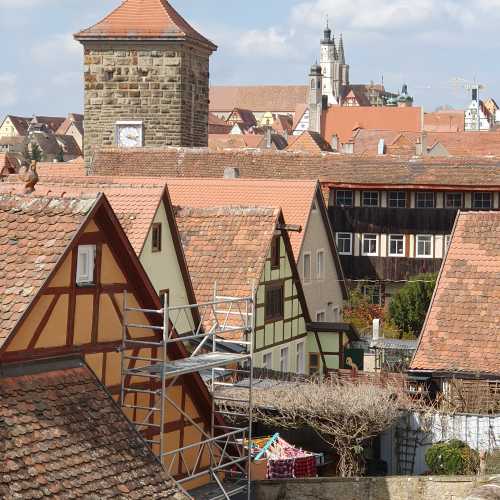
(312, 84)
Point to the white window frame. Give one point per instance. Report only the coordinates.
(300, 357)
(284, 359)
(267, 356)
(363, 204)
(344, 191)
(344, 239)
(85, 265)
(320, 269)
(453, 193)
(369, 254)
(318, 314)
(389, 245)
(482, 207)
(307, 279)
(417, 253)
(397, 199)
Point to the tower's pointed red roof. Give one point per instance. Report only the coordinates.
(144, 19)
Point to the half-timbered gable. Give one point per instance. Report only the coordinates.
(239, 248)
(145, 212)
(66, 264)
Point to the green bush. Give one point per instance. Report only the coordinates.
(409, 306)
(452, 458)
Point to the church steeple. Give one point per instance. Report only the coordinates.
(341, 55)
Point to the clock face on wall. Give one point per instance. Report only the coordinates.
(129, 134)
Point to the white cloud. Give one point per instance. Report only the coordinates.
(8, 89)
(269, 42)
(55, 48)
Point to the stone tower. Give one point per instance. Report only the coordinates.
(146, 79)
(315, 98)
(335, 70)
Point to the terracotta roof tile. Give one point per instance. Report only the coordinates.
(309, 142)
(73, 168)
(232, 141)
(342, 121)
(259, 98)
(467, 143)
(444, 121)
(144, 19)
(8, 164)
(34, 233)
(227, 245)
(474, 172)
(64, 437)
(293, 197)
(134, 203)
(462, 329)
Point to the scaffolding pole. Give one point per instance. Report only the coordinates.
(221, 345)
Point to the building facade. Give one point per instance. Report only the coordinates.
(386, 236)
(146, 79)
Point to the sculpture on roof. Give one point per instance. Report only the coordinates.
(30, 177)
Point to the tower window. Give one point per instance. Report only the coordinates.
(108, 75)
(312, 84)
(319, 85)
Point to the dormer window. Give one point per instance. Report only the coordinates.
(85, 266)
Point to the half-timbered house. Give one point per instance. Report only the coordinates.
(65, 267)
(248, 248)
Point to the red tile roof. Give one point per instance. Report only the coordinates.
(294, 197)
(467, 172)
(227, 246)
(148, 19)
(283, 124)
(231, 141)
(8, 164)
(444, 121)
(259, 98)
(366, 142)
(343, 121)
(134, 203)
(462, 330)
(63, 436)
(20, 123)
(73, 168)
(309, 142)
(467, 143)
(300, 110)
(34, 233)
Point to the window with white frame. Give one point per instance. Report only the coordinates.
(425, 199)
(336, 315)
(85, 265)
(344, 243)
(396, 245)
(307, 267)
(482, 201)
(370, 199)
(369, 244)
(373, 292)
(300, 359)
(321, 316)
(345, 198)
(424, 245)
(267, 361)
(397, 199)
(320, 264)
(284, 360)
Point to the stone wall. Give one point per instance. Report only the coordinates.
(376, 488)
(164, 85)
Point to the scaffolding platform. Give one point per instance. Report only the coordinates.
(225, 321)
(188, 365)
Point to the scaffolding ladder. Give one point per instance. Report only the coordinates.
(220, 348)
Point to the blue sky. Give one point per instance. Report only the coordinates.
(425, 43)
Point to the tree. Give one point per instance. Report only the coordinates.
(60, 155)
(408, 308)
(345, 415)
(34, 152)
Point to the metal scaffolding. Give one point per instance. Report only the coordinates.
(221, 350)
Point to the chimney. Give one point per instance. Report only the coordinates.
(269, 139)
(421, 146)
(376, 329)
(381, 147)
(231, 173)
(334, 143)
